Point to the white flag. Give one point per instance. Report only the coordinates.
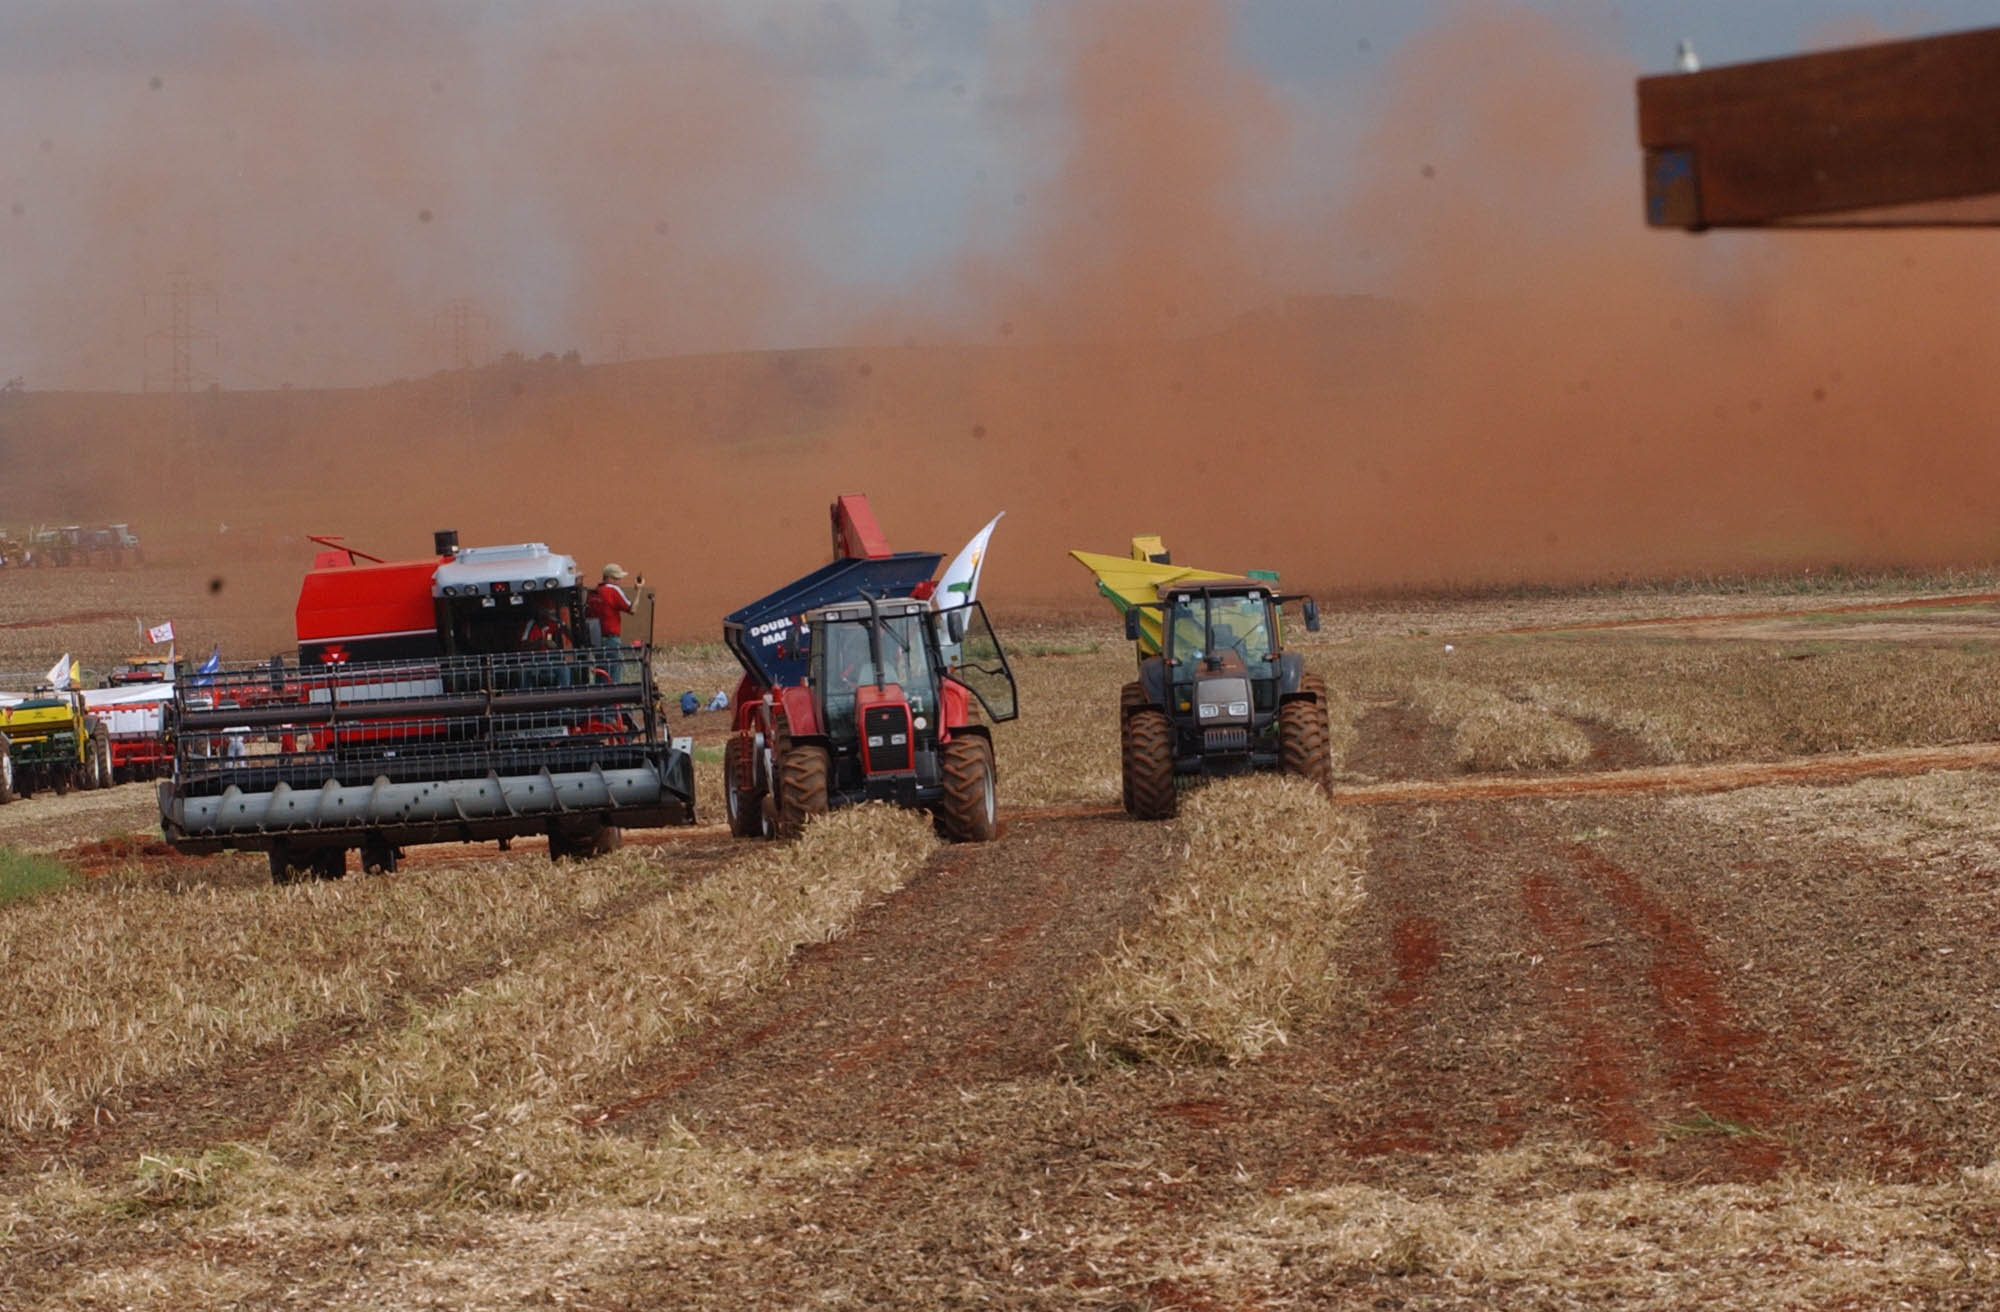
(161, 632)
(58, 676)
(959, 583)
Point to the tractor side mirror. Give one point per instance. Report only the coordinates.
(1311, 609)
(954, 625)
(1132, 624)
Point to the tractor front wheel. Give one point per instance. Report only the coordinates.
(6, 771)
(802, 772)
(969, 812)
(745, 805)
(1303, 747)
(1148, 752)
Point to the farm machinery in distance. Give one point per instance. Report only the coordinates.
(857, 688)
(51, 740)
(1217, 693)
(451, 698)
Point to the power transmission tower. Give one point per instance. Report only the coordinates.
(623, 341)
(462, 320)
(182, 293)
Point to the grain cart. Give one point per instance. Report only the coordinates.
(856, 688)
(446, 699)
(50, 740)
(1217, 694)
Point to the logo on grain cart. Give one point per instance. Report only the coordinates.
(771, 632)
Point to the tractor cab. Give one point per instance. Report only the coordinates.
(875, 661)
(880, 653)
(1222, 671)
(886, 712)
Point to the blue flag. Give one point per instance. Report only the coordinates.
(204, 671)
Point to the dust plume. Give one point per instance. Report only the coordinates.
(1534, 388)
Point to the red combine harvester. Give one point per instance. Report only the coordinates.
(132, 706)
(450, 699)
(856, 689)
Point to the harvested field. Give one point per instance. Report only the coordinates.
(1693, 1007)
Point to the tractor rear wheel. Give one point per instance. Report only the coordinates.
(107, 774)
(802, 772)
(970, 812)
(1148, 752)
(1303, 747)
(745, 805)
(6, 771)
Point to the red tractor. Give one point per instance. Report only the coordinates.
(856, 688)
(451, 699)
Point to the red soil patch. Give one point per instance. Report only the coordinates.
(104, 855)
(1604, 1073)
(1714, 1057)
(1418, 944)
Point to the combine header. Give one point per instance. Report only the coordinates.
(857, 688)
(1217, 693)
(449, 699)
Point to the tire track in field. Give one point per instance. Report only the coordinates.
(1663, 779)
(243, 1096)
(1752, 616)
(959, 977)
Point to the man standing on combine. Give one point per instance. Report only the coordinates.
(603, 609)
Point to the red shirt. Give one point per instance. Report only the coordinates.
(607, 601)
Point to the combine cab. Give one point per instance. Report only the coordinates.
(51, 741)
(1217, 694)
(452, 699)
(856, 689)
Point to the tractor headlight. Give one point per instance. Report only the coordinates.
(1239, 708)
(1208, 710)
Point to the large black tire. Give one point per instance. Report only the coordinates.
(802, 772)
(6, 770)
(380, 858)
(107, 772)
(1131, 697)
(1303, 746)
(580, 841)
(970, 812)
(745, 806)
(291, 867)
(1148, 743)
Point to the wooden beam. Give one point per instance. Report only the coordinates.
(1900, 133)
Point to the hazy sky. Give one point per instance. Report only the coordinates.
(665, 176)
